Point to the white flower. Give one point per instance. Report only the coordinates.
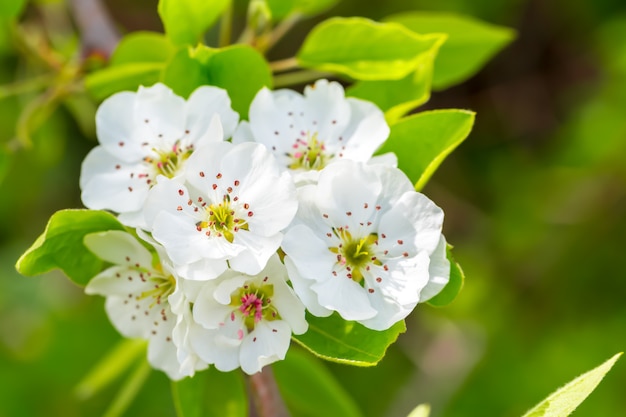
(246, 321)
(307, 132)
(138, 295)
(366, 245)
(148, 133)
(230, 211)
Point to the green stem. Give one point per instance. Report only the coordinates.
(25, 86)
(281, 29)
(226, 26)
(298, 77)
(129, 390)
(284, 64)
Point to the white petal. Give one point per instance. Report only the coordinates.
(119, 248)
(284, 299)
(302, 287)
(309, 254)
(109, 183)
(267, 343)
(389, 159)
(438, 271)
(258, 250)
(116, 126)
(326, 110)
(346, 297)
(202, 270)
(162, 353)
(206, 101)
(367, 131)
(243, 133)
(159, 115)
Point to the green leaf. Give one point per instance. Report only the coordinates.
(128, 390)
(61, 245)
(309, 389)
(565, 400)
(422, 410)
(139, 59)
(211, 393)
(5, 163)
(283, 8)
(142, 47)
(397, 97)
(185, 21)
(453, 287)
(239, 69)
(337, 340)
(470, 44)
(10, 9)
(422, 141)
(367, 50)
(107, 81)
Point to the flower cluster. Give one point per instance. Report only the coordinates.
(252, 223)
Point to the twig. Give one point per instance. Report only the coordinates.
(97, 30)
(298, 77)
(284, 64)
(266, 400)
(281, 29)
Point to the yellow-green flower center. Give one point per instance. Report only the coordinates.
(223, 221)
(309, 154)
(168, 162)
(255, 304)
(356, 254)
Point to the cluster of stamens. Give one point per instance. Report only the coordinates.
(168, 162)
(255, 304)
(308, 153)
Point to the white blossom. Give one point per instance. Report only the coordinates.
(366, 245)
(308, 132)
(138, 298)
(246, 321)
(148, 133)
(228, 211)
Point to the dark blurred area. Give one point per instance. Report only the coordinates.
(535, 203)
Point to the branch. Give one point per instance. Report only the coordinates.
(97, 30)
(265, 397)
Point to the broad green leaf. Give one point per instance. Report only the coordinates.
(422, 410)
(115, 363)
(211, 393)
(138, 60)
(470, 44)
(239, 69)
(337, 340)
(107, 81)
(422, 141)
(61, 245)
(397, 97)
(309, 389)
(142, 47)
(453, 287)
(283, 8)
(366, 50)
(565, 400)
(185, 21)
(10, 9)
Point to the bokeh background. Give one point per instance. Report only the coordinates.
(535, 203)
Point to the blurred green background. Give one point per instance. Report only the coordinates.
(534, 200)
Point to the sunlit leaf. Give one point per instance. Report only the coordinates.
(211, 393)
(453, 287)
(397, 97)
(186, 20)
(309, 389)
(565, 400)
(422, 141)
(368, 50)
(61, 245)
(337, 340)
(239, 69)
(470, 44)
